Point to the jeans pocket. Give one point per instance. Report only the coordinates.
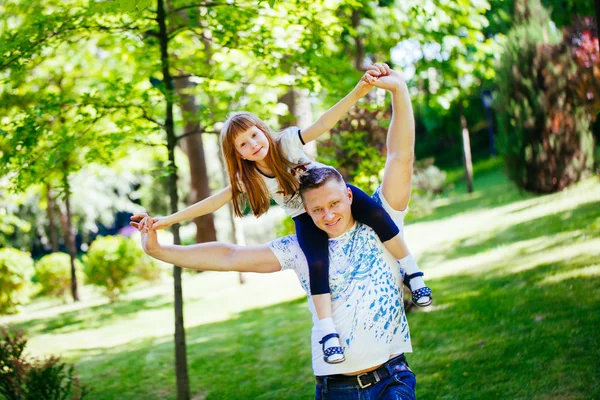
(408, 380)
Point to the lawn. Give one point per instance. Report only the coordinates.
(516, 282)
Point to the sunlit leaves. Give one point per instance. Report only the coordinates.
(134, 5)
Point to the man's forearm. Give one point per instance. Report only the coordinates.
(397, 178)
(211, 256)
(216, 256)
(401, 137)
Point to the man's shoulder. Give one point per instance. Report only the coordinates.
(383, 202)
(288, 252)
(377, 196)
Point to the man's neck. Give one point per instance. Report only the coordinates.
(349, 227)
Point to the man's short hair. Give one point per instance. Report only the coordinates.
(316, 177)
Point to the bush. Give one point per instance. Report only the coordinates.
(53, 274)
(545, 134)
(112, 263)
(34, 379)
(16, 270)
(357, 148)
(427, 181)
(285, 228)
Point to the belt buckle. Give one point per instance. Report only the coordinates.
(362, 386)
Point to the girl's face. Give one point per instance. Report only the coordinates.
(252, 144)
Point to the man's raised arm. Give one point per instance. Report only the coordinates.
(213, 256)
(397, 177)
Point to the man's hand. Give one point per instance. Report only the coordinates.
(143, 223)
(373, 72)
(392, 82)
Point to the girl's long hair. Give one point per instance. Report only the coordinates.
(244, 176)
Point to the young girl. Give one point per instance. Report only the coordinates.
(262, 166)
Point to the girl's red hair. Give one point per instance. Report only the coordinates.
(244, 176)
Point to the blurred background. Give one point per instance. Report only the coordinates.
(108, 108)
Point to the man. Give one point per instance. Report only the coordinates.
(365, 279)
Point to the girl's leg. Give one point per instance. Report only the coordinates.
(369, 212)
(315, 244)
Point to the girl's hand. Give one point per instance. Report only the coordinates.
(158, 223)
(392, 81)
(362, 87)
(373, 72)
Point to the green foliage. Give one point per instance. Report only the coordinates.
(112, 262)
(427, 182)
(502, 14)
(545, 135)
(34, 379)
(16, 270)
(134, 5)
(10, 223)
(53, 274)
(286, 227)
(356, 147)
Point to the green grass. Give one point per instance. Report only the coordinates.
(516, 283)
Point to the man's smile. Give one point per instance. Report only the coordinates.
(333, 223)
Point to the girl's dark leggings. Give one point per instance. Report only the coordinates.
(315, 243)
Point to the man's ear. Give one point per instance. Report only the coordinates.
(349, 193)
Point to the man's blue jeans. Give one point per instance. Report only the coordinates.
(400, 385)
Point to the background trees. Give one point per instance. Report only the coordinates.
(112, 107)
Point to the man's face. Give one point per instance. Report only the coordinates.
(252, 144)
(329, 207)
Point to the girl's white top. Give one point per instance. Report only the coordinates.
(292, 150)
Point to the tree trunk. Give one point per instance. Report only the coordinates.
(69, 237)
(183, 388)
(466, 150)
(300, 110)
(194, 148)
(237, 229)
(53, 232)
(359, 55)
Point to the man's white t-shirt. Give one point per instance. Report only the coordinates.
(366, 294)
(291, 145)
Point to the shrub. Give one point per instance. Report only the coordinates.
(112, 262)
(53, 274)
(357, 148)
(146, 269)
(33, 379)
(427, 181)
(545, 134)
(285, 228)
(16, 270)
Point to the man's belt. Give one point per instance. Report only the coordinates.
(368, 378)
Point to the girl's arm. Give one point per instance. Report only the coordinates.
(335, 113)
(206, 206)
